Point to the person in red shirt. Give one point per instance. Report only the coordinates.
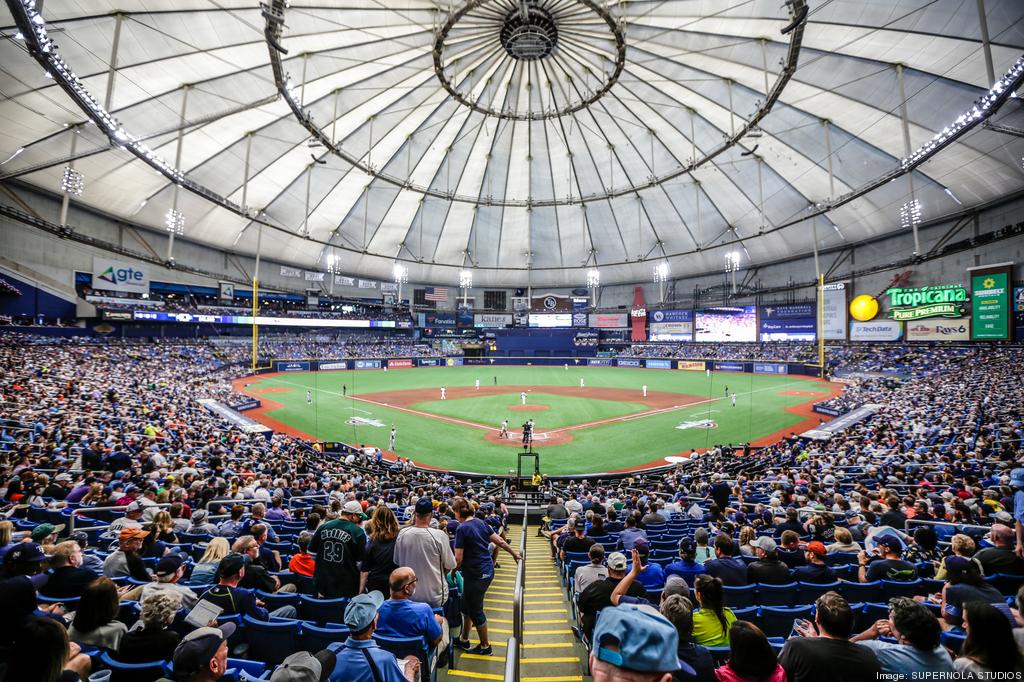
(302, 562)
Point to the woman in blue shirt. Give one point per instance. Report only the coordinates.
(473, 557)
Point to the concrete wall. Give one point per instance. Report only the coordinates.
(56, 258)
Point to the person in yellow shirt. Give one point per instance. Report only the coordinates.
(712, 621)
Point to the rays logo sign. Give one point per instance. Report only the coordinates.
(112, 275)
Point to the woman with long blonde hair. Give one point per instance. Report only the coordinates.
(205, 571)
(164, 526)
(379, 560)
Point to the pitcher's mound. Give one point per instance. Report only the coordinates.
(528, 408)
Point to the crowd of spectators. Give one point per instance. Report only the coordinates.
(87, 425)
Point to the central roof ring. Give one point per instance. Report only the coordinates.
(529, 32)
(529, 37)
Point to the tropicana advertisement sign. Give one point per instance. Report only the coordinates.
(944, 300)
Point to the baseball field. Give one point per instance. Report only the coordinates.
(605, 424)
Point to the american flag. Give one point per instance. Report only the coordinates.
(435, 294)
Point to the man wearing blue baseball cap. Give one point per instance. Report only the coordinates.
(635, 643)
(359, 659)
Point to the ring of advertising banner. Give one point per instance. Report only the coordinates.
(788, 322)
(876, 330)
(193, 318)
(550, 320)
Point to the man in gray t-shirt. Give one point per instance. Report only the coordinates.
(428, 553)
(592, 572)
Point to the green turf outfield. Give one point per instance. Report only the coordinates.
(760, 411)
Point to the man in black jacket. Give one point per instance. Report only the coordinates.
(767, 570)
(732, 571)
(68, 578)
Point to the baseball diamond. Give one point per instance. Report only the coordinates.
(606, 426)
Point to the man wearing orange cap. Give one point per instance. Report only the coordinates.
(815, 570)
(125, 561)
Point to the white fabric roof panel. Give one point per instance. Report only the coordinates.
(694, 71)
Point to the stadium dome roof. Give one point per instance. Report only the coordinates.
(529, 140)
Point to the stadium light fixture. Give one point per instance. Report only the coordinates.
(333, 263)
(72, 182)
(661, 272)
(593, 279)
(174, 221)
(981, 109)
(401, 273)
(910, 214)
(732, 261)
(465, 279)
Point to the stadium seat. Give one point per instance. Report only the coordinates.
(270, 641)
(1006, 584)
(777, 621)
(953, 640)
(809, 592)
(315, 637)
(276, 600)
(132, 672)
(322, 611)
(894, 588)
(862, 592)
(409, 646)
(777, 595)
(740, 597)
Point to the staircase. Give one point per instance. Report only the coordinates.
(549, 652)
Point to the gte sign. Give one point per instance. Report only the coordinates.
(945, 300)
(121, 275)
(112, 275)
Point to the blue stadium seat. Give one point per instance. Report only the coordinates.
(132, 672)
(409, 646)
(809, 592)
(953, 640)
(322, 611)
(270, 641)
(276, 600)
(315, 637)
(777, 595)
(777, 621)
(894, 588)
(740, 597)
(1007, 584)
(862, 592)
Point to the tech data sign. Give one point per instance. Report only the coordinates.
(946, 300)
(113, 275)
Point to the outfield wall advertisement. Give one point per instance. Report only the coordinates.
(876, 330)
(834, 313)
(659, 364)
(599, 362)
(292, 367)
(939, 330)
(399, 363)
(728, 367)
(629, 362)
(492, 321)
(770, 368)
(609, 320)
(367, 364)
(990, 292)
(332, 365)
(691, 365)
(789, 322)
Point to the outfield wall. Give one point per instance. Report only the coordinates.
(738, 366)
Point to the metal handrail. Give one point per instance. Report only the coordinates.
(517, 605)
(955, 524)
(512, 660)
(76, 511)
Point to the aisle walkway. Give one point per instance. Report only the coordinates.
(550, 652)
